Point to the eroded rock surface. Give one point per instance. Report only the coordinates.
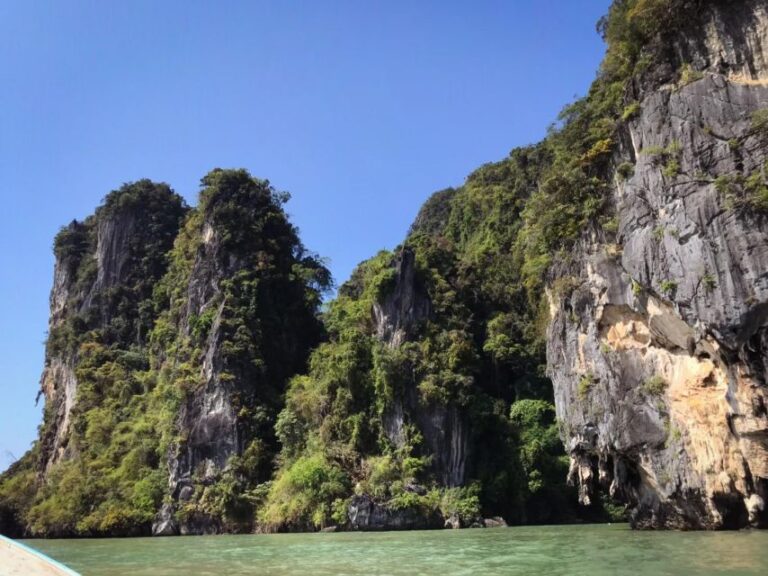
(207, 416)
(98, 278)
(365, 514)
(658, 355)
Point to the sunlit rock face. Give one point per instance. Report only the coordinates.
(658, 350)
(98, 286)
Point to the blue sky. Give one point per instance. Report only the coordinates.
(359, 109)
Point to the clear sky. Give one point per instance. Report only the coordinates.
(360, 109)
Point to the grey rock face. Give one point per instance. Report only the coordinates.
(69, 297)
(114, 236)
(165, 524)
(244, 325)
(446, 433)
(58, 383)
(730, 42)
(207, 415)
(95, 281)
(366, 515)
(405, 307)
(658, 356)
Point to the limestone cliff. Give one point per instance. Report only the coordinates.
(244, 312)
(105, 270)
(58, 384)
(599, 298)
(657, 346)
(397, 318)
(172, 335)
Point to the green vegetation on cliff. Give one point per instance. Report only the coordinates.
(367, 410)
(136, 352)
(243, 298)
(110, 479)
(482, 254)
(189, 338)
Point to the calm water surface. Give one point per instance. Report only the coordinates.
(541, 551)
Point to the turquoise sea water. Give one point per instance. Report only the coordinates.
(592, 550)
